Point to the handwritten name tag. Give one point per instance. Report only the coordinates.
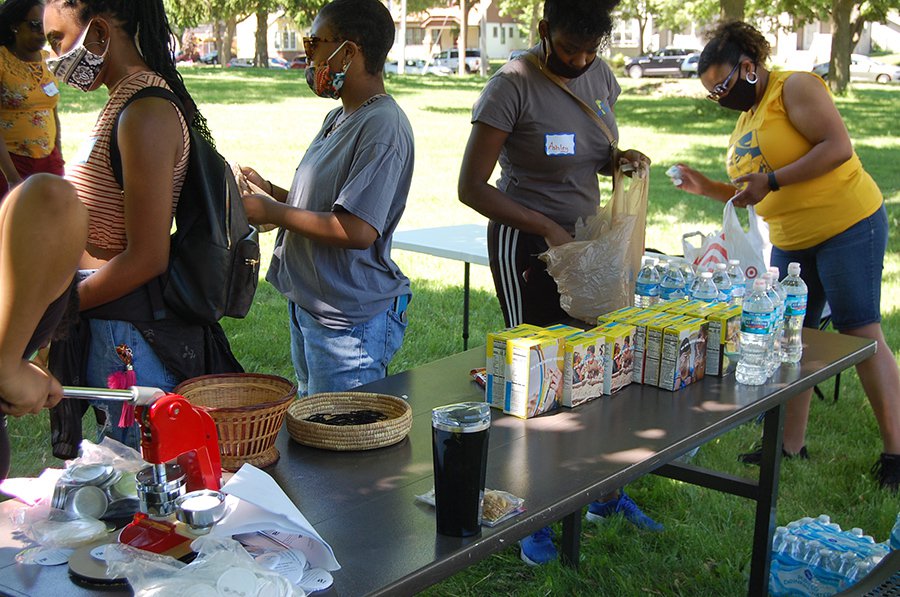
(559, 143)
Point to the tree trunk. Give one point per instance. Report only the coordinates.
(536, 8)
(642, 25)
(262, 37)
(228, 39)
(217, 32)
(461, 41)
(732, 10)
(839, 65)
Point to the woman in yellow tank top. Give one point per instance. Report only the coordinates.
(790, 156)
(29, 124)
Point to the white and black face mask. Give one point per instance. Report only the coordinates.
(79, 67)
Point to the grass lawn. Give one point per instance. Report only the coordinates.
(266, 119)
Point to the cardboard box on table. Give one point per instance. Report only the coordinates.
(724, 346)
(583, 368)
(619, 315)
(653, 346)
(495, 364)
(618, 355)
(534, 372)
(683, 353)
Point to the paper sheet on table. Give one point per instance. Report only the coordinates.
(255, 503)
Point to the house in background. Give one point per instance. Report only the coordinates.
(436, 29)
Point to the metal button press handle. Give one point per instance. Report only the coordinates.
(139, 395)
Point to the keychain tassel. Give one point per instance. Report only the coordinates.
(122, 380)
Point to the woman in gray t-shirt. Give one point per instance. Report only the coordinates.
(550, 152)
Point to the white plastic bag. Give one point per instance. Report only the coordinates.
(732, 242)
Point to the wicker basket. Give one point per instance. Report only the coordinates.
(248, 410)
(349, 437)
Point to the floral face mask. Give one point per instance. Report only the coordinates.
(79, 67)
(323, 81)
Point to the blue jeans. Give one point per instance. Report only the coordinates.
(844, 271)
(103, 360)
(334, 360)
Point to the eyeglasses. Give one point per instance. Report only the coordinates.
(36, 25)
(722, 88)
(310, 44)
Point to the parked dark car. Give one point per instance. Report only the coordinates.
(664, 63)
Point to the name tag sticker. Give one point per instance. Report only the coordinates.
(559, 143)
(51, 89)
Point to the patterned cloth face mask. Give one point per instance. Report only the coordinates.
(79, 67)
(323, 81)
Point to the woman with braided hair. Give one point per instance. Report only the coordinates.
(126, 46)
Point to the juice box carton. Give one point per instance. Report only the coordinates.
(618, 355)
(618, 315)
(687, 306)
(583, 368)
(641, 322)
(653, 346)
(495, 364)
(724, 345)
(534, 372)
(683, 353)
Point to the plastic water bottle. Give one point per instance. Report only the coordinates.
(723, 282)
(757, 322)
(794, 311)
(646, 289)
(738, 281)
(689, 274)
(777, 294)
(706, 289)
(672, 284)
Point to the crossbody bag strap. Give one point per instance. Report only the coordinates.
(535, 61)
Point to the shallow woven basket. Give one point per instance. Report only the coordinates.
(349, 437)
(248, 410)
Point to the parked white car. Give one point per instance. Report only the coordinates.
(863, 68)
(450, 59)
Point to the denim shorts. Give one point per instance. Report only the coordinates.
(103, 360)
(334, 360)
(844, 272)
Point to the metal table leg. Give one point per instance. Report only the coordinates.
(466, 308)
(571, 539)
(766, 503)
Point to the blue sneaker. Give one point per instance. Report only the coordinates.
(538, 548)
(624, 505)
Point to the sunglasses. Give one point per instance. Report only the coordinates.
(722, 88)
(36, 26)
(311, 43)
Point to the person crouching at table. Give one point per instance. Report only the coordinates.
(346, 297)
(43, 228)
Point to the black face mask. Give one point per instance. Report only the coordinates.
(560, 68)
(741, 97)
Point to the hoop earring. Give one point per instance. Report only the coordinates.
(755, 78)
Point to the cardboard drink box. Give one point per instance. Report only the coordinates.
(641, 323)
(495, 364)
(687, 306)
(583, 368)
(683, 353)
(618, 315)
(618, 355)
(653, 346)
(534, 372)
(724, 348)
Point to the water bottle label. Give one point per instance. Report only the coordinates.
(756, 323)
(645, 289)
(795, 304)
(666, 292)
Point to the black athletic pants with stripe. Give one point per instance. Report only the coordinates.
(527, 293)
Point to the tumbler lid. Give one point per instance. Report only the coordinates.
(464, 417)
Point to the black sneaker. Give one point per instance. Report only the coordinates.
(755, 457)
(887, 471)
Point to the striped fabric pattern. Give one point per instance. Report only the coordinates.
(92, 174)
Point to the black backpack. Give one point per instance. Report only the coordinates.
(214, 256)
